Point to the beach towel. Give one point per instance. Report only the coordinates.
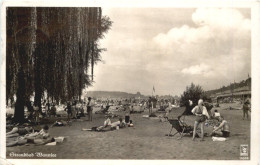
(205, 112)
(220, 139)
(51, 144)
(59, 139)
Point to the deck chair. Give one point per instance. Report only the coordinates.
(181, 127)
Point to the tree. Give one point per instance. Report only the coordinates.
(51, 50)
(193, 93)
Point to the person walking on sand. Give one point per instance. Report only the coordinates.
(90, 108)
(246, 109)
(201, 115)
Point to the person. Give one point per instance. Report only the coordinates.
(41, 137)
(120, 123)
(224, 127)
(36, 113)
(90, 108)
(59, 123)
(69, 111)
(107, 123)
(216, 114)
(188, 108)
(245, 109)
(127, 113)
(108, 126)
(82, 110)
(53, 110)
(74, 110)
(131, 124)
(201, 115)
(47, 108)
(44, 133)
(29, 105)
(150, 106)
(19, 131)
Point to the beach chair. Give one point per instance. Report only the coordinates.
(181, 127)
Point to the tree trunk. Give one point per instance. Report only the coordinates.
(20, 101)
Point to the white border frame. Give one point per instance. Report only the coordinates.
(255, 69)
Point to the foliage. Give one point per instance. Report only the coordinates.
(54, 48)
(193, 93)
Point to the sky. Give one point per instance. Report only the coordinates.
(169, 48)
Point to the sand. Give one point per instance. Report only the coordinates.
(146, 140)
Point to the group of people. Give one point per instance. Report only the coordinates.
(109, 126)
(23, 135)
(73, 111)
(202, 115)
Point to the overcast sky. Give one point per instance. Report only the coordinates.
(169, 48)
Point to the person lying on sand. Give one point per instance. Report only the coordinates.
(223, 127)
(42, 134)
(60, 123)
(23, 140)
(108, 126)
(39, 138)
(18, 131)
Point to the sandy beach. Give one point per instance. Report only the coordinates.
(146, 140)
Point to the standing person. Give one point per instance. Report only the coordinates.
(90, 108)
(201, 115)
(245, 109)
(47, 108)
(127, 114)
(36, 113)
(53, 110)
(150, 105)
(69, 111)
(73, 110)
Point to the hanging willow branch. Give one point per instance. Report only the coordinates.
(55, 47)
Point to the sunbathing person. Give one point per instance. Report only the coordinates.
(60, 123)
(42, 134)
(107, 123)
(39, 138)
(223, 127)
(23, 140)
(18, 131)
(108, 126)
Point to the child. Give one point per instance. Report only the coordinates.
(216, 114)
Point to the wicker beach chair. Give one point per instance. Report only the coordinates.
(181, 127)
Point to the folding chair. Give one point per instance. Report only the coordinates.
(181, 127)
